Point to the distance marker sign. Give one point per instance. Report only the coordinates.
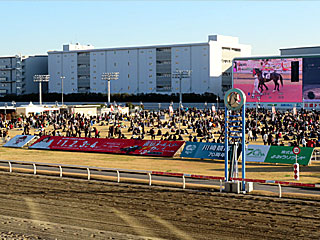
(296, 150)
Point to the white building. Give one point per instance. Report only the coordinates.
(16, 74)
(146, 69)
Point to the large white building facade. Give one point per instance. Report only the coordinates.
(78, 69)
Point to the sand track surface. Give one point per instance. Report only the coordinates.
(39, 207)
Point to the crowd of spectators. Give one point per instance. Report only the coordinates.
(278, 128)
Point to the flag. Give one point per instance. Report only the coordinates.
(120, 109)
(213, 108)
(294, 111)
(170, 109)
(273, 109)
(112, 108)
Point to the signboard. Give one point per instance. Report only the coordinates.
(120, 146)
(280, 154)
(269, 80)
(296, 150)
(19, 141)
(203, 150)
(257, 153)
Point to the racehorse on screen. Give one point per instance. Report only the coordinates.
(275, 77)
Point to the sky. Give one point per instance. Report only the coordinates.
(35, 27)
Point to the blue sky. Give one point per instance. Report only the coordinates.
(34, 27)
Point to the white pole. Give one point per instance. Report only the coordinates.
(40, 93)
(109, 94)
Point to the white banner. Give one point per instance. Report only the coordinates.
(19, 141)
(256, 153)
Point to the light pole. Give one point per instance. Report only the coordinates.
(159, 104)
(13, 103)
(205, 106)
(5, 112)
(40, 79)
(181, 74)
(109, 76)
(217, 103)
(62, 77)
(257, 106)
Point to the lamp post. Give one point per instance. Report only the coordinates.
(205, 106)
(40, 79)
(159, 105)
(257, 106)
(13, 103)
(181, 74)
(5, 112)
(62, 77)
(109, 76)
(217, 103)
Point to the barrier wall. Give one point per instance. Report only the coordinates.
(105, 145)
(19, 141)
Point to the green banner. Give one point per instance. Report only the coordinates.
(281, 154)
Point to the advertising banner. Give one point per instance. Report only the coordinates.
(203, 150)
(105, 145)
(19, 141)
(269, 80)
(257, 153)
(281, 154)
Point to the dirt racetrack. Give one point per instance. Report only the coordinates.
(39, 207)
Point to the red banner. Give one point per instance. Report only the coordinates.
(123, 146)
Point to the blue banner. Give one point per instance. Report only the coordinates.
(203, 150)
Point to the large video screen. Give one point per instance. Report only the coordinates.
(269, 80)
(311, 79)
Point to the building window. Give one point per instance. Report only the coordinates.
(94, 60)
(150, 57)
(94, 54)
(102, 53)
(128, 63)
(150, 82)
(114, 52)
(72, 83)
(94, 83)
(141, 51)
(94, 71)
(94, 77)
(58, 61)
(58, 72)
(150, 64)
(72, 78)
(150, 70)
(150, 76)
(128, 51)
(115, 64)
(128, 75)
(177, 62)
